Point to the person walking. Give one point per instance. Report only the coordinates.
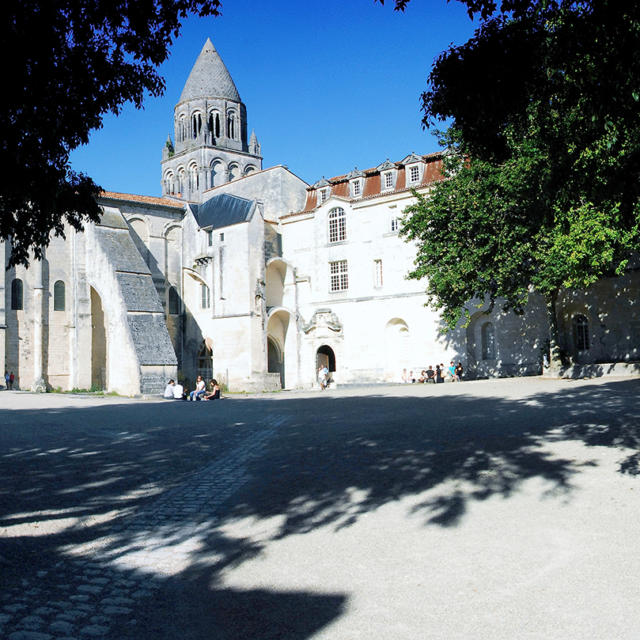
(6, 380)
(11, 379)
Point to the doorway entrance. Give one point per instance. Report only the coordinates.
(275, 360)
(325, 357)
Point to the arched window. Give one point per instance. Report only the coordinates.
(488, 336)
(194, 181)
(181, 180)
(337, 225)
(231, 125)
(214, 124)
(196, 124)
(234, 172)
(174, 302)
(580, 332)
(249, 169)
(182, 128)
(17, 302)
(168, 183)
(59, 296)
(205, 293)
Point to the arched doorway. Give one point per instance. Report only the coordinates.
(397, 343)
(275, 360)
(325, 357)
(98, 343)
(205, 362)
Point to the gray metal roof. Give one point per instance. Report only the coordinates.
(209, 78)
(223, 211)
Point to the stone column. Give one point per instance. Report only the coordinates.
(38, 384)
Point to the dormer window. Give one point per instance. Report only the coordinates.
(356, 188)
(323, 195)
(413, 176)
(387, 181)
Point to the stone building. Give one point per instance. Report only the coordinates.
(254, 277)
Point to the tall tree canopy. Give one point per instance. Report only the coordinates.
(543, 164)
(67, 64)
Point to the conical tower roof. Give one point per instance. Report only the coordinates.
(209, 78)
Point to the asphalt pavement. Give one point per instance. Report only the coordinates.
(490, 509)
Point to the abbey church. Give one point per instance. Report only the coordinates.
(250, 275)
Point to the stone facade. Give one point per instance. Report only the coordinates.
(258, 279)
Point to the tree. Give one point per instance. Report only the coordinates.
(67, 64)
(542, 189)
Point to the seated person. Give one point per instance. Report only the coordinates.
(178, 392)
(423, 376)
(199, 391)
(431, 374)
(214, 391)
(459, 371)
(168, 390)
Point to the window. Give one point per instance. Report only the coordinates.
(323, 195)
(377, 273)
(387, 180)
(356, 188)
(221, 238)
(581, 332)
(395, 224)
(488, 337)
(17, 295)
(206, 296)
(338, 276)
(414, 174)
(209, 238)
(59, 296)
(196, 124)
(174, 302)
(231, 125)
(337, 225)
(194, 182)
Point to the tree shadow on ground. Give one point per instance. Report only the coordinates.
(93, 477)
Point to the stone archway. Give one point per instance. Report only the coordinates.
(325, 356)
(275, 359)
(98, 343)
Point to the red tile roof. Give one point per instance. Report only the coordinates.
(130, 197)
(339, 185)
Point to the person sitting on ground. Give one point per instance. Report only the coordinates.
(178, 392)
(168, 390)
(412, 378)
(214, 391)
(404, 377)
(423, 376)
(431, 374)
(439, 373)
(452, 372)
(199, 391)
(459, 371)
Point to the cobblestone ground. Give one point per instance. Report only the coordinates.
(103, 582)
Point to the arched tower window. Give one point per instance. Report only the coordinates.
(231, 125)
(580, 332)
(59, 302)
(17, 295)
(196, 124)
(182, 128)
(234, 171)
(194, 181)
(337, 225)
(488, 337)
(181, 180)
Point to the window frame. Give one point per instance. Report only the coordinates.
(205, 296)
(338, 276)
(337, 225)
(17, 295)
(580, 330)
(57, 295)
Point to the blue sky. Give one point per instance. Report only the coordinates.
(328, 86)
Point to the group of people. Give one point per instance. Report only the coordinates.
(8, 380)
(176, 391)
(439, 374)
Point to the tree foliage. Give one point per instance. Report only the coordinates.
(542, 188)
(67, 64)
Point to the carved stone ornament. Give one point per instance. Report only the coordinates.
(323, 318)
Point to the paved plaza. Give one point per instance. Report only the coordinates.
(490, 509)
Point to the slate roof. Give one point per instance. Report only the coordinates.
(209, 78)
(223, 211)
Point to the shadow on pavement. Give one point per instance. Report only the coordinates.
(335, 458)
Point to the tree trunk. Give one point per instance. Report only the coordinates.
(555, 363)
